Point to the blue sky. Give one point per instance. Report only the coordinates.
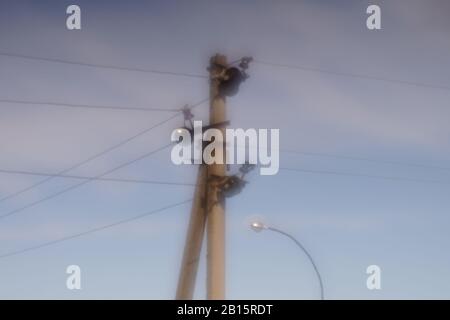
(346, 222)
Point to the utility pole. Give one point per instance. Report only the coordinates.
(194, 239)
(213, 185)
(216, 204)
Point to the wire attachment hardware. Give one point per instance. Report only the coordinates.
(231, 77)
(188, 116)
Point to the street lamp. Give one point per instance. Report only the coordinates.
(259, 226)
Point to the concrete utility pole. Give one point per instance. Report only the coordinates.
(207, 208)
(213, 185)
(215, 203)
(194, 239)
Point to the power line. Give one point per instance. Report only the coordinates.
(97, 155)
(72, 187)
(363, 175)
(126, 180)
(115, 146)
(102, 66)
(353, 158)
(80, 234)
(354, 75)
(84, 106)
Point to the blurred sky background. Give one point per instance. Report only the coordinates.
(347, 222)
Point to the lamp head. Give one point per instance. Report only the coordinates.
(258, 226)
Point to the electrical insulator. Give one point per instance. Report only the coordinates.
(229, 86)
(232, 186)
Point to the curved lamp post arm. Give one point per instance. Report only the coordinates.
(306, 253)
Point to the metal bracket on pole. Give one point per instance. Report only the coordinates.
(188, 116)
